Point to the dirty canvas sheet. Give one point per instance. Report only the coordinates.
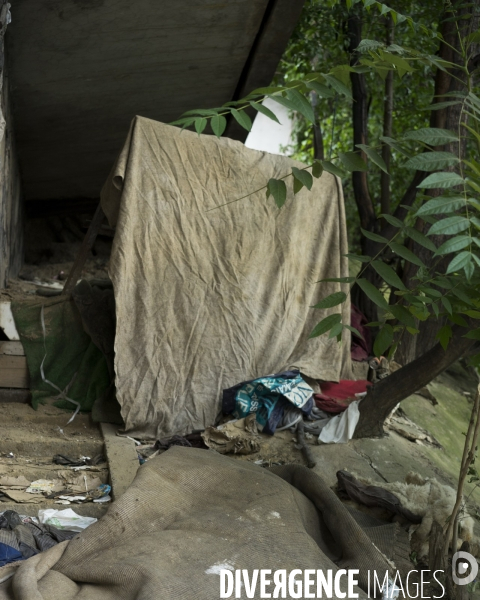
(190, 513)
(207, 299)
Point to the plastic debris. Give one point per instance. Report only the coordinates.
(65, 519)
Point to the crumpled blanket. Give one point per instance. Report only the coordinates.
(191, 512)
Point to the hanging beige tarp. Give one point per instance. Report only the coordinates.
(208, 298)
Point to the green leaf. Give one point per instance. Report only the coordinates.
(373, 293)
(374, 156)
(446, 303)
(442, 105)
(449, 226)
(475, 314)
(322, 90)
(420, 238)
(441, 205)
(459, 262)
(242, 119)
(265, 91)
(303, 105)
(366, 45)
(432, 136)
(265, 111)
(395, 145)
(406, 254)
(338, 86)
(388, 274)
(278, 189)
(383, 340)
(458, 320)
(317, 169)
(355, 331)
(431, 161)
(325, 325)
(185, 122)
(218, 124)
(374, 236)
(469, 268)
(200, 124)
(352, 161)
(402, 315)
(441, 180)
(207, 112)
(295, 101)
(454, 244)
(473, 335)
(444, 335)
(393, 220)
(333, 300)
(402, 65)
(336, 331)
(358, 257)
(338, 280)
(302, 177)
(331, 168)
(462, 296)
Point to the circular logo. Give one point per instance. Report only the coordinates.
(460, 563)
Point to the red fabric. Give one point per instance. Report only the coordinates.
(360, 349)
(336, 397)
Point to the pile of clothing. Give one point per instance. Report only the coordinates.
(282, 400)
(21, 538)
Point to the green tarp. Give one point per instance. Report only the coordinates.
(71, 358)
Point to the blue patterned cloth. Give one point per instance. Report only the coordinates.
(268, 397)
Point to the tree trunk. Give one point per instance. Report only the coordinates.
(448, 118)
(387, 393)
(363, 200)
(387, 126)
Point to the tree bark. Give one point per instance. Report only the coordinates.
(360, 135)
(387, 393)
(363, 200)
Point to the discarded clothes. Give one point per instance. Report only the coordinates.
(337, 397)
(268, 397)
(336, 429)
(22, 538)
(235, 437)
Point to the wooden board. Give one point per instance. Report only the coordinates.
(12, 348)
(20, 396)
(13, 372)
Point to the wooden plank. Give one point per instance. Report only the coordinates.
(13, 372)
(12, 348)
(122, 459)
(20, 396)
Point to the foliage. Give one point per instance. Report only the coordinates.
(448, 294)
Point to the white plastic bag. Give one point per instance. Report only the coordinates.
(65, 519)
(340, 429)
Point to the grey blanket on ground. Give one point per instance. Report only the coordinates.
(208, 298)
(191, 512)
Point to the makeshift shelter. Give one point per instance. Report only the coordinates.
(210, 295)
